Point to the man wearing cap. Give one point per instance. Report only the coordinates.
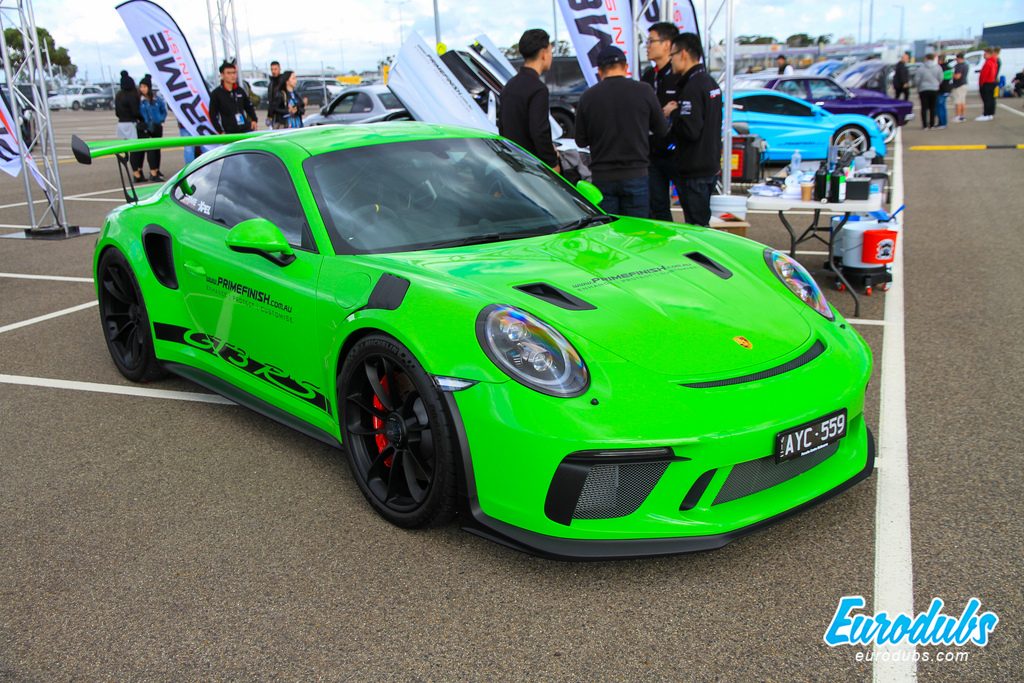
(231, 110)
(523, 114)
(696, 128)
(615, 119)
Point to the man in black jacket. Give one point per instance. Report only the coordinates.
(697, 129)
(901, 77)
(614, 119)
(231, 109)
(273, 87)
(523, 115)
(662, 169)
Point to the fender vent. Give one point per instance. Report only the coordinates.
(157, 243)
(555, 296)
(715, 267)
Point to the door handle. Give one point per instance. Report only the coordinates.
(195, 268)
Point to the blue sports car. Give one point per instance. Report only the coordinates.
(788, 124)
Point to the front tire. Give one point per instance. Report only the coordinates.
(76, 105)
(851, 137)
(887, 123)
(397, 434)
(125, 320)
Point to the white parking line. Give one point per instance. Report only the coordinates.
(894, 576)
(865, 321)
(55, 278)
(114, 389)
(1011, 109)
(48, 316)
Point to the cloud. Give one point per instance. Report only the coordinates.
(834, 12)
(928, 7)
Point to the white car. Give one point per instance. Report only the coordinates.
(260, 88)
(355, 105)
(71, 97)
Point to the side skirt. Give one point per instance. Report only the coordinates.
(228, 390)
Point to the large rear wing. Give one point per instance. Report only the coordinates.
(85, 152)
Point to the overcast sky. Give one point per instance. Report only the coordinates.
(354, 34)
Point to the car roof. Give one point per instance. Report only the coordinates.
(317, 140)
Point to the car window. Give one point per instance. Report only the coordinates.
(792, 87)
(389, 100)
(204, 184)
(343, 105)
(822, 89)
(258, 186)
(362, 104)
(769, 104)
(423, 194)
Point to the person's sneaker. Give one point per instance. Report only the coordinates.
(983, 118)
(960, 119)
(939, 127)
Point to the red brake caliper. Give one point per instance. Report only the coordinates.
(380, 439)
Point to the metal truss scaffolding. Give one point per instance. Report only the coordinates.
(25, 91)
(223, 29)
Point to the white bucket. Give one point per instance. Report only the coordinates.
(725, 203)
(850, 243)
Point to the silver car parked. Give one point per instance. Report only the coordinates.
(355, 105)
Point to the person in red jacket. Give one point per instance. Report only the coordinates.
(987, 83)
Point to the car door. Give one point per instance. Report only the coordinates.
(786, 124)
(341, 109)
(824, 92)
(256, 316)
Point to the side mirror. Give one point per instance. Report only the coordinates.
(741, 127)
(186, 189)
(260, 236)
(590, 192)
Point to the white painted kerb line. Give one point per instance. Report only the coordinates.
(114, 389)
(55, 278)
(48, 316)
(894, 576)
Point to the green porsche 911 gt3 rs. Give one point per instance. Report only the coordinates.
(483, 340)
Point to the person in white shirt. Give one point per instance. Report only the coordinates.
(785, 68)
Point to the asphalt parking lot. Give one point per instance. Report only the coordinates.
(155, 538)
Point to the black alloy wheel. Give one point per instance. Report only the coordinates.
(397, 434)
(125, 320)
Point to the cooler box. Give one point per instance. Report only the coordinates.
(879, 247)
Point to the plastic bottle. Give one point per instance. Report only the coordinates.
(842, 188)
(794, 163)
(833, 185)
(821, 183)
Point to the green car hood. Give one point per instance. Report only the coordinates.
(653, 305)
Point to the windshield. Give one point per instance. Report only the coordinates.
(850, 76)
(749, 83)
(426, 194)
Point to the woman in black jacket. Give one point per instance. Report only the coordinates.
(287, 108)
(126, 107)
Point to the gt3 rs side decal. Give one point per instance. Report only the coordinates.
(239, 358)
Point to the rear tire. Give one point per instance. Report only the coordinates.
(76, 105)
(397, 434)
(125, 320)
(566, 121)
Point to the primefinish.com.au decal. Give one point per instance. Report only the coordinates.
(954, 633)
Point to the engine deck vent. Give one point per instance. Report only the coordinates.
(555, 296)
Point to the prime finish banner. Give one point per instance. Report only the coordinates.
(171, 63)
(10, 147)
(595, 23)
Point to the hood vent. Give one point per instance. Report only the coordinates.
(555, 296)
(715, 267)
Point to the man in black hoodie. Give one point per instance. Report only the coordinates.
(614, 119)
(696, 119)
(662, 171)
(273, 88)
(523, 112)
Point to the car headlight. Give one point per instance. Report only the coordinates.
(531, 352)
(799, 281)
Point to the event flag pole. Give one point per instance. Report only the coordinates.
(437, 24)
(727, 100)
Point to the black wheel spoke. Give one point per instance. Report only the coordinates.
(365, 431)
(357, 400)
(409, 468)
(377, 470)
(375, 384)
(114, 332)
(112, 286)
(417, 464)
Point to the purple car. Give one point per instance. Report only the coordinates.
(887, 112)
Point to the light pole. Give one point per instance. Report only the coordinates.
(401, 19)
(437, 24)
(554, 22)
(871, 19)
(902, 10)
